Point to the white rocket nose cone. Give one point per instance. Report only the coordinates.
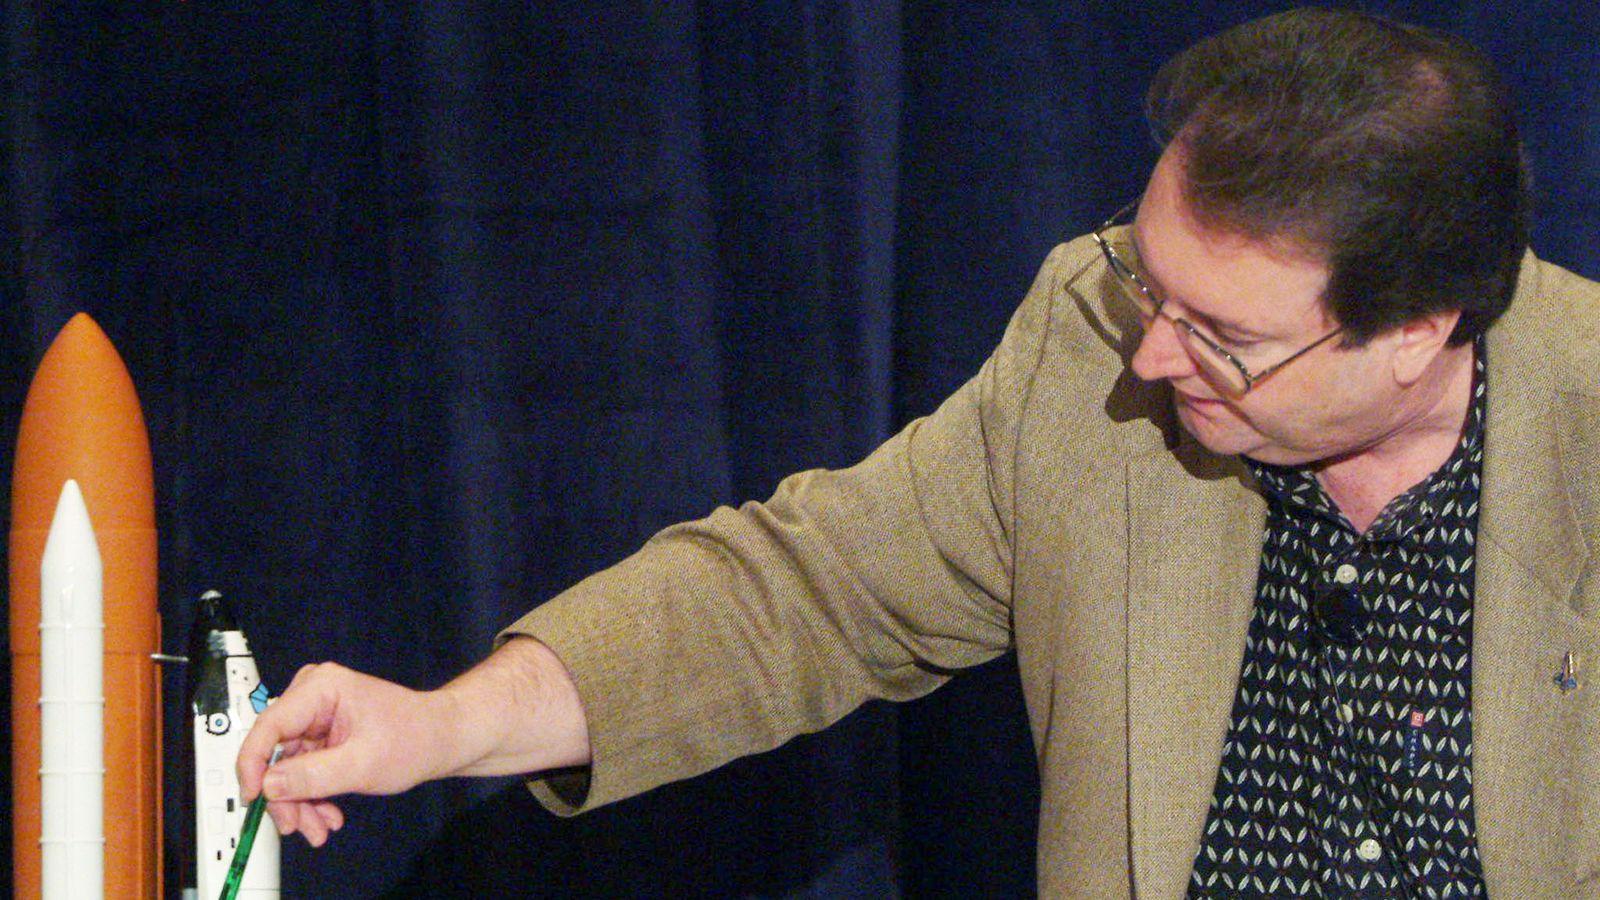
(71, 543)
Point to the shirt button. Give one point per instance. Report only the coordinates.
(1346, 713)
(1369, 850)
(1345, 574)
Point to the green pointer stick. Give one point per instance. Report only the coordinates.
(247, 837)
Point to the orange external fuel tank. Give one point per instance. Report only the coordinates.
(82, 421)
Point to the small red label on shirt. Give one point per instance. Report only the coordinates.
(1414, 738)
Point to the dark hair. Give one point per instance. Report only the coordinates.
(1389, 151)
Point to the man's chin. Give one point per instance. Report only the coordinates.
(1222, 435)
(1228, 435)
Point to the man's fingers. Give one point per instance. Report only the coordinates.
(316, 820)
(312, 826)
(301, 674)
(332, 816)
(303, 709)
(286, 816)
(315, 774)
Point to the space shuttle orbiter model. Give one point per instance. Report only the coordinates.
(227, 694)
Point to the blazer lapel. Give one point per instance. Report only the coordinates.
(1527, 732)
(1194, 547)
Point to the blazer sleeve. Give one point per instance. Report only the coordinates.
(729, 635)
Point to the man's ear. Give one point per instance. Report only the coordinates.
(1420, 341)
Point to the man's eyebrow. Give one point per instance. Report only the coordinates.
(1214, 323)
(1227, 329)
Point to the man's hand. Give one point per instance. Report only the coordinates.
(344, 732)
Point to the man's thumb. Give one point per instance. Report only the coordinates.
(309, 776)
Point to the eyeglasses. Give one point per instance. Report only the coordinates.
(1222, 368)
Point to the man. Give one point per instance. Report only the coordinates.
(1284, 494)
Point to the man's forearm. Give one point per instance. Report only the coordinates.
(516, 712)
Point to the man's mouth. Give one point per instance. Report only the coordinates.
(1199, 402)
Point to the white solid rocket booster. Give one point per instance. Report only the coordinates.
(71, 705)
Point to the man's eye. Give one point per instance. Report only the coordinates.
(1235, 341)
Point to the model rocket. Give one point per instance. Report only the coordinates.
(71, 704)
(226, 696)
(83, 523)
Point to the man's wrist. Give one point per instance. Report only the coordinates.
(516, 712)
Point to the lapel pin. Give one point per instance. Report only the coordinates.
(1567, 678)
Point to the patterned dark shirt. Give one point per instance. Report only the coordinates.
(1347, 770)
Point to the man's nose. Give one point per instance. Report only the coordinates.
(1160, 355)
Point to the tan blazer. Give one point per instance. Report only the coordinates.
(1053, 505)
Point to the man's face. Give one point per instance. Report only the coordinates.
(1262, 301)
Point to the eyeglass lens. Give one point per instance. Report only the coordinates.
(1222, 373)
(1219, 370)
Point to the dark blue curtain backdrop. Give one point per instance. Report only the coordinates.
(437, 307)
